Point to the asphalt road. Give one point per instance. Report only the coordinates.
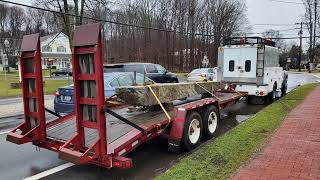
(150, 159)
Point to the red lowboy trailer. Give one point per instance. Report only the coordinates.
(98, 134)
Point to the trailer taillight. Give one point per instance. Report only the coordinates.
(122, 162)
(117, 164)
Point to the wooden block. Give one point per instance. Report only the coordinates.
(166, 93)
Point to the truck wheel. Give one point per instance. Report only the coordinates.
(255, 100)
(284, 88)
(192, 131)
(175, 81)
(273, 94)
(210, 121)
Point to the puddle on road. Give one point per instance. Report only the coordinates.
(242, 118)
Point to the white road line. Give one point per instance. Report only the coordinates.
(6, 132)
(50, 171)
(316, 76)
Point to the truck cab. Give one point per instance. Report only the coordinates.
(252, 65)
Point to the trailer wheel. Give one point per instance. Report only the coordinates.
(192, 131)
(210, 121)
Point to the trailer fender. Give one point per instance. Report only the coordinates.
(176, 131)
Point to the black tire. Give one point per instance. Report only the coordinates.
(188, 145)
(210, 111)
(273, 94)
(175, 81)
(284, 88)
(256, 100)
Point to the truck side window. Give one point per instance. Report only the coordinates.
(151, 68)
(139, 68)
(248, 66)
(231, 65)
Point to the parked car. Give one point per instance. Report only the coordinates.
(62, 71)
(64, 97)
(203, 74)
(318, 67)
(155, 72)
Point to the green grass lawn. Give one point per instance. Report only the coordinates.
(5, 91)
(220, 158)
(45, 72)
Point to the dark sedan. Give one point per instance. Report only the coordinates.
(155, 72)
(63, 71)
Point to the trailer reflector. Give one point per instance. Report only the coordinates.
(122, 162)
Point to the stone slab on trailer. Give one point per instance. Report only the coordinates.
(166, 93)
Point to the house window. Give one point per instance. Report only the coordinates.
(46, 48)
(248, 66)
(61, 49)
(231, 65)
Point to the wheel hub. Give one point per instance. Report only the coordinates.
(212, 122)
(194, 131)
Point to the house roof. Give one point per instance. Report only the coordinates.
(43, 38)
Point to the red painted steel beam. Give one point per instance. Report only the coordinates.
(31, 73)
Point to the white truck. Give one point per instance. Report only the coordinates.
(252, 65)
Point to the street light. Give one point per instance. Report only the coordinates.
(6, 47)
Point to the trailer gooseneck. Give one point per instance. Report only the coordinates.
(94, 133)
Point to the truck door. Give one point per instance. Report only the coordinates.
(232, 57)
(248, 63)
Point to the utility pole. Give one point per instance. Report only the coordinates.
(300, 49)
(314, 29)
(311, 34)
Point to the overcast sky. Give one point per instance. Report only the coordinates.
(265, 12)
(270, 12)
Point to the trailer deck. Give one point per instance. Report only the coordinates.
(66, 130)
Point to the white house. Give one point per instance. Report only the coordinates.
(55, 51)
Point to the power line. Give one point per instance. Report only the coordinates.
(137, 26)
(107, 21)
(274, 25)
(286, 2)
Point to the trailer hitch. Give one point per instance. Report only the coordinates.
(112, 113)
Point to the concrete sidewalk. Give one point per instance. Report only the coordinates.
(14, 106)
(294, 150)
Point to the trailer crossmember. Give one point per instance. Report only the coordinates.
(112, 113)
